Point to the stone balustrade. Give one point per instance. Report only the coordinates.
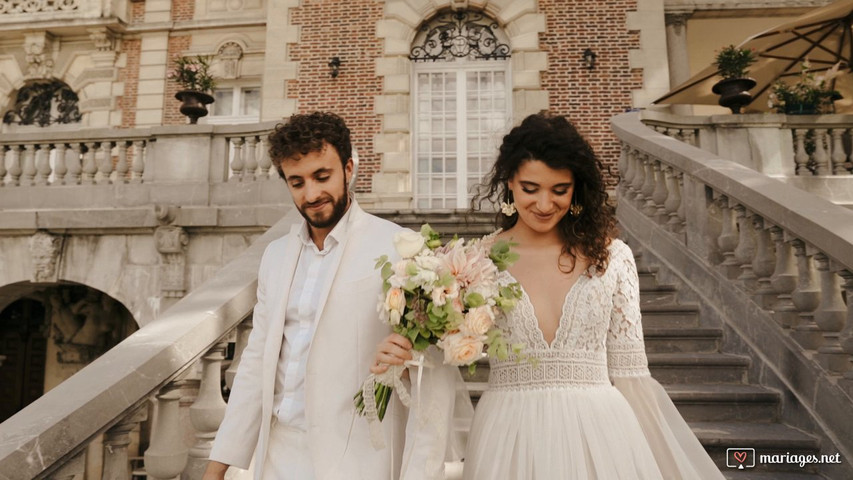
(108, 398)
(789, 252)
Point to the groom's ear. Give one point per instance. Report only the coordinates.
(348, 168)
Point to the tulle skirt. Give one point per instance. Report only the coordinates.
(557, 433)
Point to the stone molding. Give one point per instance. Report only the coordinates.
(397, 29)
(742, 5)
(45, 251)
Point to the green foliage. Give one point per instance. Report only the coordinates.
(502, 255)
(193, 73)
(733, 62)
(811, 94)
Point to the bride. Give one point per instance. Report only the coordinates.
(583, 405)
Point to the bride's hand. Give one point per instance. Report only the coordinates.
(395, 349)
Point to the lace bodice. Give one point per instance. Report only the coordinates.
(599, 336)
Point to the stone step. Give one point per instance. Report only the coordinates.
(670, 315)
(725, 402)
(669, 368)
(648, 280)
(764, 438)
(659, 295)
(683, 339)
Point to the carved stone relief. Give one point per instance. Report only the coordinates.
(84, 324)
(45, 250)
(41, 49)
(229, 56)
(171, 242)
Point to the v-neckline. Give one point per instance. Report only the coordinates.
(560, 322)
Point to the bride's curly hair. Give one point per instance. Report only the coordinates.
(556, 142)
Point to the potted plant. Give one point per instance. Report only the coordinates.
(812, 94)
(732, 63)
(194, 77)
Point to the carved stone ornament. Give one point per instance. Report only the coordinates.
(229, 56)
(33, 6)
(103, 38)
(40, 51)
(170, 239)
(44, 250)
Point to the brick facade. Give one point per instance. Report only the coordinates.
(183, 10)
(130, 75)
(590, 97)
(178, 45)
(345, 30)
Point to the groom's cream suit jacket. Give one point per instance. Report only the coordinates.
(341, 352)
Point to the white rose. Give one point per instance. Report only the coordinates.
(395, 303)
(408, 243)
(478, 321)
(460, 349)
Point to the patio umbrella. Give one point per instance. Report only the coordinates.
(823, 36)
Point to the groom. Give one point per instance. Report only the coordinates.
(315, 333)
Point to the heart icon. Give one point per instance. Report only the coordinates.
(740, 456)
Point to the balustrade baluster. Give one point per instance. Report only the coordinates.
(89, 166)
(105, 166)
(846, 336)
(806, 298)
(122, 168)
(848, 165)
(728, 239)
(801, 157)
(838, 156)
(764, 263)
(116, 440)
(243, 331)
(627, 172)
(673, 201)
(784, 280)
(689, 136)
(821, 158)
(59, 167)
(264, 161)
(648, 205)
(206, 412)
(237, 164)
(166, 456)
(829, 317)
(639, 180)
(74, 167)
(674, 133)
(138, 168)
(3, 150)
(29, 169)
(15, 165)
(42, 156)
(660, 194)
(745, 251)
(251, 158)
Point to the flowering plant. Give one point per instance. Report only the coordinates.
(192, 73)
(733, 62)
(444, 295)
(811, 94)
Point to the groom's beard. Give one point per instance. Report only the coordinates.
(323, 218)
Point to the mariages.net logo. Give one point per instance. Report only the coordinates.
(742, 458)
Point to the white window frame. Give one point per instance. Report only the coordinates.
(236, 99)
(461, 67)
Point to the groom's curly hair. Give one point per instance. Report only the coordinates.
(556, 142)
(306, 133)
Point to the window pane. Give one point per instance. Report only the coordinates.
(423, 82)
(251, 102)
(437, 165)
(223, 102)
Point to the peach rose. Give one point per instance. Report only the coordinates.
(460, 349)
(395, 303)
(478, 321)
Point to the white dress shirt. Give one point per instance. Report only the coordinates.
(311, 277)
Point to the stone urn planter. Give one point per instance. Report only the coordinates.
(734, 92)
(194, 104)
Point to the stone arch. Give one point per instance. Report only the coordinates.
(398, 27)
(44, 102)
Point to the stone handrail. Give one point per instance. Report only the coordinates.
(787, 251)
(49, 435)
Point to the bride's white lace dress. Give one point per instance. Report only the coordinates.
(561, 417)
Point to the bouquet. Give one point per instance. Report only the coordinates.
(443, 295)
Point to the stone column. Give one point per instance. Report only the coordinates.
(206, 413)
(676, 49)
(116, 440)
(167, 456)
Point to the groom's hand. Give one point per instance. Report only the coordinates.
(215, 471)
(395, 349)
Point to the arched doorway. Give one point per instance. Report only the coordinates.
(50, 332)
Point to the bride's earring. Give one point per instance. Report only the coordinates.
(575, 209)
(508, 209)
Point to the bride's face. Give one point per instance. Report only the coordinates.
(542, 194)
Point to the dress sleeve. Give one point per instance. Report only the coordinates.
(678, 453)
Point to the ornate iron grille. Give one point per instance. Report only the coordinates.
(459, 34)
(43, 104)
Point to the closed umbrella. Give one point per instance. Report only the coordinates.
(822, 36)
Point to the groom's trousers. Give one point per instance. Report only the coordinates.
(288, 456)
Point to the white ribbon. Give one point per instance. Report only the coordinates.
(392, 378)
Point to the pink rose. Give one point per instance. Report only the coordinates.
(460, 349)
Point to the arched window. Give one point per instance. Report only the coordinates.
(461, 95)
(44, 103)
